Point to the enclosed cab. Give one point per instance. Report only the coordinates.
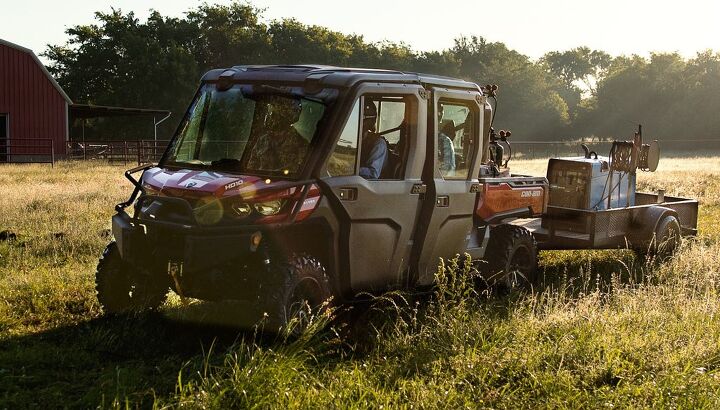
(291, 184)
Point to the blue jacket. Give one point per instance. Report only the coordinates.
(373, 164)
(446, 153)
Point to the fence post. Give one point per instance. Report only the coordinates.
(52, 153)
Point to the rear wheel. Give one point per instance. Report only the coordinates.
(512, 257)
(120, 290)
(665, 241)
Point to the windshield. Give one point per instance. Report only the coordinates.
(239, 130)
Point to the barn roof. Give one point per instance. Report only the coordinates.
(41, 65)
(94, 111)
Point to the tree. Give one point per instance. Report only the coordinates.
(579, 65)
(122, 61)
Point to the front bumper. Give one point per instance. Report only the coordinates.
(202, 262)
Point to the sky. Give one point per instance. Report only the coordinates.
(532, 27)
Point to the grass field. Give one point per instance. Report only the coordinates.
(604, 329)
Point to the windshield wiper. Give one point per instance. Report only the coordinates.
(225, 162)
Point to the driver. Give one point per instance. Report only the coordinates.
(281, 147)
(374, 146)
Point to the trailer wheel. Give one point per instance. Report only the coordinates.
(121, 291)
(665, 241)
(305, 289)
(512, 257)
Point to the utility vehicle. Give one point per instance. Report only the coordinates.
(259, 197)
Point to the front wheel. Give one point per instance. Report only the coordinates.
(119, 290)
(305, 291)
(511, 257)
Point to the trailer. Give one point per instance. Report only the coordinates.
(587, 210)
(568, 228)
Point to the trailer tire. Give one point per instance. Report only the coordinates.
(665, 240)
(512, 258)
(305, 291)
(119, 290)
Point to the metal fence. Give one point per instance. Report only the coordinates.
(549, 149)
(28, 151)
(43, 150)
(139, 151)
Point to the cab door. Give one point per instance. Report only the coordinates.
(378, 216)
(454, 127)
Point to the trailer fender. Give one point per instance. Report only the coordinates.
(645, 222)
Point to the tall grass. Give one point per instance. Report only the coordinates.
(602, 329)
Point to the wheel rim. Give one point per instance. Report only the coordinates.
(302, 302)
(520, 267)
(669, 241)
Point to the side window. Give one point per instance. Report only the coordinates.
(391, 114)
(378, 125)
(342, 161)
(455, 139)
(385, 136)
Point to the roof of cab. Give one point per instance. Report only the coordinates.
(332, 76)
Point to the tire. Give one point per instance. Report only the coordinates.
(121, 291)
(665, 241)
(305, 289)
(512, 258)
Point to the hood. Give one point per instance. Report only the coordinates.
(187, 183)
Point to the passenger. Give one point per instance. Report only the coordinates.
(374, 147)
(446, 148)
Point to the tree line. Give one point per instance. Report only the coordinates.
(123, 61)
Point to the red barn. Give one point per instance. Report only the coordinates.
(33, 107)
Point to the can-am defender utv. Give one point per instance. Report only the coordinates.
(259, 196)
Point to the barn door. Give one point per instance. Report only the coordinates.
(4, 138)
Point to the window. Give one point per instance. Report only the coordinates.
(380, 135)
(455, 139)
(343, 159)
(248, 131)
(391, 113)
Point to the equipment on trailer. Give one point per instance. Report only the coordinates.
(593, 203)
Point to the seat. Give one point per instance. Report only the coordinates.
(393, 167)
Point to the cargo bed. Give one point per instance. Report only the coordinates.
(567, 228)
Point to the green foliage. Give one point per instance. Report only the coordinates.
(579, 64)
(578, 92)
(157, 63)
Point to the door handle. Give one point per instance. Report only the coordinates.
(442, 201)
(348, 194)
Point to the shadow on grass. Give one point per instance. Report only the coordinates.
(140, 356)
(93, 362)
(580, 272)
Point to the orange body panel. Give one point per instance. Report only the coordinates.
(496, 198)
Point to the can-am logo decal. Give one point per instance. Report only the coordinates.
(190, 184)
(526, 194)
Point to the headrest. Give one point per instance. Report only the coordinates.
(370, 110)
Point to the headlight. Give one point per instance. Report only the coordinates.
(242, 209)
(208, 210)
(269, 208)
